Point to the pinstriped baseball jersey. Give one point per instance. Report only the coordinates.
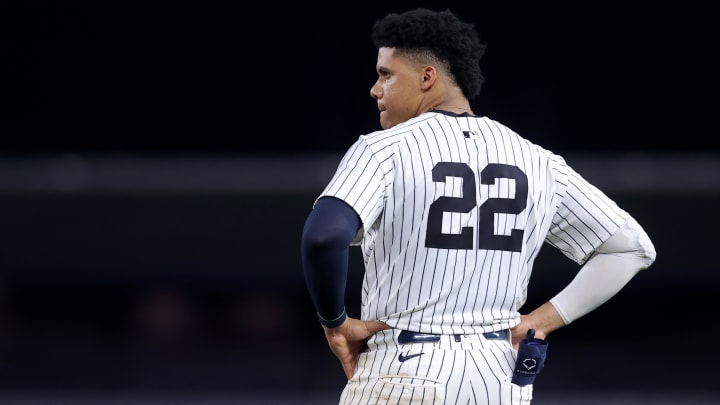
(455, 209)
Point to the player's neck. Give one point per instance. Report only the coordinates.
(453, 101)
(457, 109)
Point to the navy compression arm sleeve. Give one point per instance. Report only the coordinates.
(328, 231)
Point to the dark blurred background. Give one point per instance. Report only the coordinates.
(158, 159)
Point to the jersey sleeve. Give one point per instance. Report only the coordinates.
(586, 217)
(359, 181)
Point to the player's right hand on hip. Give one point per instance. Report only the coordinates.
(348, 340)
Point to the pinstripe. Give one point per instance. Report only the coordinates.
(414, 247)
(487, 390)
(457, 382)
(504, 191)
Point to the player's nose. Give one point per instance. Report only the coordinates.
(376, 91)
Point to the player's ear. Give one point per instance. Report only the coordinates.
(428, 78)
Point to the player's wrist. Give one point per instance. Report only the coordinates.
(333, 322)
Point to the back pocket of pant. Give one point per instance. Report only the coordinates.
(408, 390)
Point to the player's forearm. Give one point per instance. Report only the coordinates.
(326, 282)
(544, 319)
(613, 265)
(322, 261)
(599, 280)
(325, 252)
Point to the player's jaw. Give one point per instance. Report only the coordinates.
(385, 117)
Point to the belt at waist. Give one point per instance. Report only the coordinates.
(416, 337)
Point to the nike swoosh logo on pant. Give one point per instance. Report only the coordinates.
(403, 357)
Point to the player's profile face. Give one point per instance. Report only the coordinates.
(397, 89)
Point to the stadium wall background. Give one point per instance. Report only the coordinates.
(182, 273)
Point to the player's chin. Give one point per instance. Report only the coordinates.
(385, 121)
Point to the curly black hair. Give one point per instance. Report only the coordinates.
(439, 34)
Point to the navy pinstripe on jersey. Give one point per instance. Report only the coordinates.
(455, 209)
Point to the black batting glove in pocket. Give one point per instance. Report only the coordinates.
(530, 360)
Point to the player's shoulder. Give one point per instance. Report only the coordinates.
(389, 142)
(495, 126)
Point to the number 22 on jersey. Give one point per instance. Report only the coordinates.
(486, 237)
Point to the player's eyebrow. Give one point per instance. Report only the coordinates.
(383, 70)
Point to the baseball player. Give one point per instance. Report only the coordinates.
(450, 209)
